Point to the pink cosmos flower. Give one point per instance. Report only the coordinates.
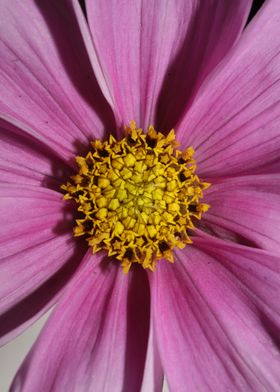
(208, 322)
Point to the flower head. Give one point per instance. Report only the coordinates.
(137, 197)
(70, 87)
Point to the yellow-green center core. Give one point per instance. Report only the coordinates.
(138, 197)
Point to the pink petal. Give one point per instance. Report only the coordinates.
(153, 373)
(234, 123)
(47, 82)
(246, 209)
(96, 338)
(26, 160)
(157, 52)
(29, 309)
(83, 25)
(209, 310)
(36, 243)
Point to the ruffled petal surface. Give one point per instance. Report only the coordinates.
(97, 337)
(38, 253)
(245, 210)
(234, 123)
(47, 82)
(154, 54)
(216, 313)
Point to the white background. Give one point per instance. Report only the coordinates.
(12, 354)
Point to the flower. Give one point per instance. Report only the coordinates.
(210, 320)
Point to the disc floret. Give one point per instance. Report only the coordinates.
(138, 197)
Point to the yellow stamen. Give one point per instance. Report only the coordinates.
(138, 196)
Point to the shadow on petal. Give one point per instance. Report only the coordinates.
(84, 82)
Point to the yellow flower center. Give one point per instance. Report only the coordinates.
(137, 197)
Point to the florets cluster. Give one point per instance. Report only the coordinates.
(138, 196)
